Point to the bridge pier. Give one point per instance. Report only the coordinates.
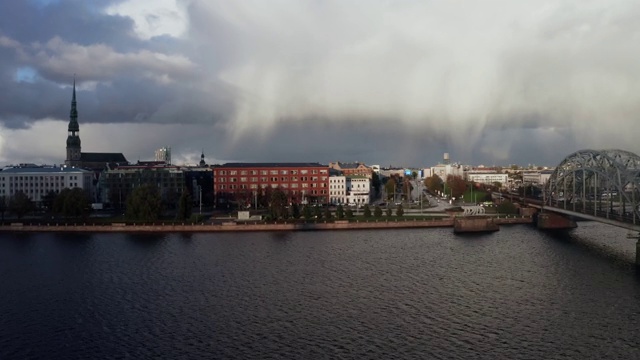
(553, 221)
(638, 254)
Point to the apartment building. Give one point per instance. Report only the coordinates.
(243, 182)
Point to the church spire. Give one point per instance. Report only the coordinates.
(73, 137)
(73, 114)
(202, 163)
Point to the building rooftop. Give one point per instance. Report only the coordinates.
(103, 157)
(42, 169)
(258, 165)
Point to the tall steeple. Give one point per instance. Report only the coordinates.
(202, 163)
(73, 137)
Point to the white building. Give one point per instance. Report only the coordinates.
(536, 177)
(358, 190)
(349, 190)
(163, 154)
(37, 181)
(337, 190)
(444, 170)
(487, 178)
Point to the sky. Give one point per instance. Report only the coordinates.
(383, 82)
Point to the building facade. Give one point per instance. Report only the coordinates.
(488, 178)
(358, 190)
(337, 189)
(349, 169)
(38, 181)
(119, 182)
(537, 177)
(243, 184)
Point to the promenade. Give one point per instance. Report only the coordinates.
(245, 226)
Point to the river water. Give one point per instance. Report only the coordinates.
(399, 294)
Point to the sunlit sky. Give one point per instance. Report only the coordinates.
(383, 82)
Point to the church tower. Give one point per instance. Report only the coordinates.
(73, 138)
(202, 163)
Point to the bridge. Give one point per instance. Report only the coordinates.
(598, 185)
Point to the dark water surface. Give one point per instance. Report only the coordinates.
(398, 294)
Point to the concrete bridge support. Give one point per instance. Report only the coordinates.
(553, 221)
(638, 254)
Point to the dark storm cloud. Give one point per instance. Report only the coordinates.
(497, 81)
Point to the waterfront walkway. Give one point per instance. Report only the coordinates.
(385, 223)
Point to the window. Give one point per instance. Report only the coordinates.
(233, 172)
(243, 179)
(263, 172)
(273, 172)
(304, 171)
(243, 172)
(294, 172)
(284, 172)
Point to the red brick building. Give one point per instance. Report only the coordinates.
(350, 169)
(246, 184)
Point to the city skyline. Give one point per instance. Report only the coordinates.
(494, 83)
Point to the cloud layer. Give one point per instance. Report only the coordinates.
(375, 81)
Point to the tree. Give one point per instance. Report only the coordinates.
(295, 211)
(407, 187)
(184, 206)
(390, 188)
(3, 206)
(327, 213)
(340, 211)
(20, 204)
(173, 200)
(375, 182)
(377, 212)
(507, 207)
(72, 203)
(367, 211)
(433, 183)
(399, 210)
(349, 213)
(278, 205)
(389, 212)
(144, 203)
(48, 199)
(306, 212)
(317, 212)
(456, 185)
(414, 175)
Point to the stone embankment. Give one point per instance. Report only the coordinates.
(249, 226)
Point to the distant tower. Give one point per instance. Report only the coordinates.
(73, 138)
(202, 163)
(164, 154)
(446, 159)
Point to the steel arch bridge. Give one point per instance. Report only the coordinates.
(602, 183)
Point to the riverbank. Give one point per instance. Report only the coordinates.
(248, 226)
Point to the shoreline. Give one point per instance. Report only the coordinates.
(232, 226)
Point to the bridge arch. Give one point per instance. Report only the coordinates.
(598, 182)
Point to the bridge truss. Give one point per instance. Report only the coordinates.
(604, 183)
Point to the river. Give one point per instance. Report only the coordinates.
(397, 294)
